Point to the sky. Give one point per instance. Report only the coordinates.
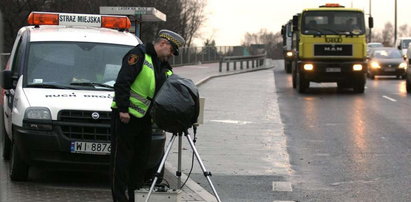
(229, 20)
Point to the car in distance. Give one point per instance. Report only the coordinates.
(386, 61)
(372, 45)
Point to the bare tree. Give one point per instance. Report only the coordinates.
(404, 31)
(272, 42)
(388, 34)
(192, 17)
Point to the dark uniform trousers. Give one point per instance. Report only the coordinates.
(130, 147)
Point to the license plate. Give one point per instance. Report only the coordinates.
(389, 69)
(90, 148)
(333, 69)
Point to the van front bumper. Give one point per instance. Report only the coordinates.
(52, 148)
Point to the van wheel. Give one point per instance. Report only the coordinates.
(19, 170)
(5, 139)
(6, 145)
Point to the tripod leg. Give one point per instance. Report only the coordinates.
(180, 138)
(163, 160)
(206, 173)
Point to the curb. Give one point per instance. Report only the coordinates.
(191, 184)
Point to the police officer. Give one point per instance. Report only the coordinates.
(143, 71)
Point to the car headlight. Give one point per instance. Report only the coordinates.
(289, 54)
(375, 65)
(403, 65)
(38, 113)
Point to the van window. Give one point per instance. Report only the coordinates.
(69, 62)
(405, 43)
(18, 59)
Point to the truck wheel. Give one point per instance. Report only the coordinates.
(301, 83)
(19, 170)
(293, 73)
(288, 67)
(359, 85)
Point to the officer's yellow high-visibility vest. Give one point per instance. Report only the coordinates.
(142, 89)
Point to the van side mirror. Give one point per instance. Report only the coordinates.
(7, 79)
(399, 47)
(295, 23)
(282, 30)
(370, 22)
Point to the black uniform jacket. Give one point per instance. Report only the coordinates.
(131, 67)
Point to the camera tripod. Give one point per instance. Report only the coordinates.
(206, 173)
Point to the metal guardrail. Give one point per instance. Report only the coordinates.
(256, 61)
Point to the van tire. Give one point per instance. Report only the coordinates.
(5, 139)
(6, 145)
(19, 170)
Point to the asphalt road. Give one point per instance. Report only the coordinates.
(345, 146)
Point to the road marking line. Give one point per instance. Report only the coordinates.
(388, 98)
(283, 201)
(282, 186)
(232, 122)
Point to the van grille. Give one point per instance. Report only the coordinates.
(80, 125)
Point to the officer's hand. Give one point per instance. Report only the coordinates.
(124, 117)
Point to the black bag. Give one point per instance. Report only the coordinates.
(176, 106)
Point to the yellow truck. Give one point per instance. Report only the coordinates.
(330, 43)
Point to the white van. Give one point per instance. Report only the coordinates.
(402, 44)
(58, 91)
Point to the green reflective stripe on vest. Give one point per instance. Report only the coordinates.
(140, 98)
(137, 108)
(169, 73)
(150, 65)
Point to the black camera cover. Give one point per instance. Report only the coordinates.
(176, 106)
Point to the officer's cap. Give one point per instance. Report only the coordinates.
(175, 39)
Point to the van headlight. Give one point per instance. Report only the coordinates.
(38, 113)
(37, 118)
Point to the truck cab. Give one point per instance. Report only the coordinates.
(288, 54)
(331, 47)
(58, 91)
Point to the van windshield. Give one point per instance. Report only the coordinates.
(74, 64)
